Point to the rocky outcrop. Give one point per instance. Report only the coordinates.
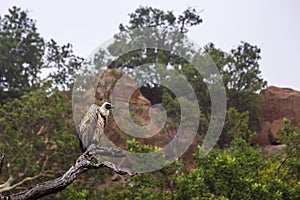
(106, 84)
(117, 85)
(277, 103)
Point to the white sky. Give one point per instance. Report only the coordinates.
(272, 25)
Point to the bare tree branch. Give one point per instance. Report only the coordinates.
(7, 185)
(1, 160)
(82, 164)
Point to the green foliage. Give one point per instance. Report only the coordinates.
(231, 171)
(191, 186)
(37, 130)
(242, 78)
(240, 172)
(239, 68)
(21, 49)
(156, 185)
(141, 151)
(70, 193)
(134, 146)
(152, 17)
(236, 126)
(236, 172)
(290, 135)
(141, 187)
(24, 54)
(38, 134)
(168, 35)
(63, 64)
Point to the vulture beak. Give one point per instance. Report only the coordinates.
(108, 106)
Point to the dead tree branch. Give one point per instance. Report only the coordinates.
(82, 164)
(1, 160)
(7, 185)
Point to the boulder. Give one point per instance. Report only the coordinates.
(277, 103)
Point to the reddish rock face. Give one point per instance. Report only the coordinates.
(106, 84)
(277, 103)
(281, 102)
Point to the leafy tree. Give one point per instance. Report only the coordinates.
(236, 126)
(221, 173)
(239, 67)
(191, 185)
(22, 49)
(145, 186)
(236, 172)
(36, 135)
(36, 117)
(62, 63)
(240, 172)
(290, 135)
(70, 193)
(242, 78)
(25, 54)
(152, 17)
(168, 34)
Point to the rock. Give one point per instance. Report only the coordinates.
(107, 82)
(281, 102)
(127, 91)
(277, 103)
(273, 149)
(268, 134)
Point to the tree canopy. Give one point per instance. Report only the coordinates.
(155, 41)
(25, 54)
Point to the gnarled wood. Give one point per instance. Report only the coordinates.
(82, 164)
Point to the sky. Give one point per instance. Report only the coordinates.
(272, 25)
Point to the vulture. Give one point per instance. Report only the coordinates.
(92, 124)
